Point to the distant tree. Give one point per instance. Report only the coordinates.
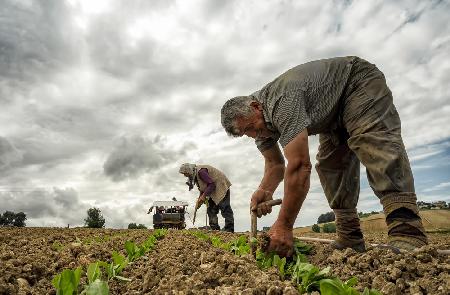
(316, 228)
(134, 226)
(362, 214)
(19, 219)
(329, 228)
(2, 220)
(94, 219)
(8, 218)
(326, 217)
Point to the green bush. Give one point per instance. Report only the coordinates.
(316, 228)
(329, 228)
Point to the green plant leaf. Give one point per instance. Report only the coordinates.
(56, 282)
(351, 282)
(120, 261)
(331, 287)
(97, 287)
(132, 250)
(307, 276)
(370, 292)
(301, 248)
(93, 272)
(67, 282)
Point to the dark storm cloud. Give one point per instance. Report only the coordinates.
(58, 135)
(135, 156)
(36, 204)
(34, 39)
(76, 122)
(67, 199)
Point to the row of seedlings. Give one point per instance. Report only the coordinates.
(306, 276)
(100, 272)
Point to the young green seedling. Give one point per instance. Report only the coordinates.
(95, 285)
(66, 283)
(307, 276)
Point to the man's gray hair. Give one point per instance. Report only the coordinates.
(234, 108)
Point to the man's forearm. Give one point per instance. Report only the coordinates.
(273, 169)
(273, 175)
(296, 187)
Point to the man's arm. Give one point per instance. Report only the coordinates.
(273, 168)
(296, 187)
(296, 178)
(273, 175)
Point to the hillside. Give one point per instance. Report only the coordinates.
(433, 220)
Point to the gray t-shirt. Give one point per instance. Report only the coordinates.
(304, 97)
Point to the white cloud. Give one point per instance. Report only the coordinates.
(440, 186)
(78, 76)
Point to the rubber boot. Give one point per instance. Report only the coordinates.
(348, 230)
(405, 228)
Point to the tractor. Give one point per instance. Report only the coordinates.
(169, 214)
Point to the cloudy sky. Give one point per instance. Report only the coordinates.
(101, 101)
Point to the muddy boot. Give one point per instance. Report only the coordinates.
(348, 230)
(405, 229)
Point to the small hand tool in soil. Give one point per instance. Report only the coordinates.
(254, 220)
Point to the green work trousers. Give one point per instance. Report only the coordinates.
(368, 132)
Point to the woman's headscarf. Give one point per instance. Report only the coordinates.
(191, 171)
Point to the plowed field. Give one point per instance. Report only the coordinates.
(183, 264)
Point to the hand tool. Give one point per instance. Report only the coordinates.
(254, 219)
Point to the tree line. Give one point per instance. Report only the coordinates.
(9, 218)
(329, 216)
(94, 219)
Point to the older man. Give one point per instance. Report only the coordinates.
(346, 101)
(214, 186)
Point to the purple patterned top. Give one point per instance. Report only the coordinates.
(211, 186)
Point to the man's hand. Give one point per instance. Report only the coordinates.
(201, 199)
(258, 197)
(281, 240)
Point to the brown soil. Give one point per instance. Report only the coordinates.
(182, 264)
(419, 272)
